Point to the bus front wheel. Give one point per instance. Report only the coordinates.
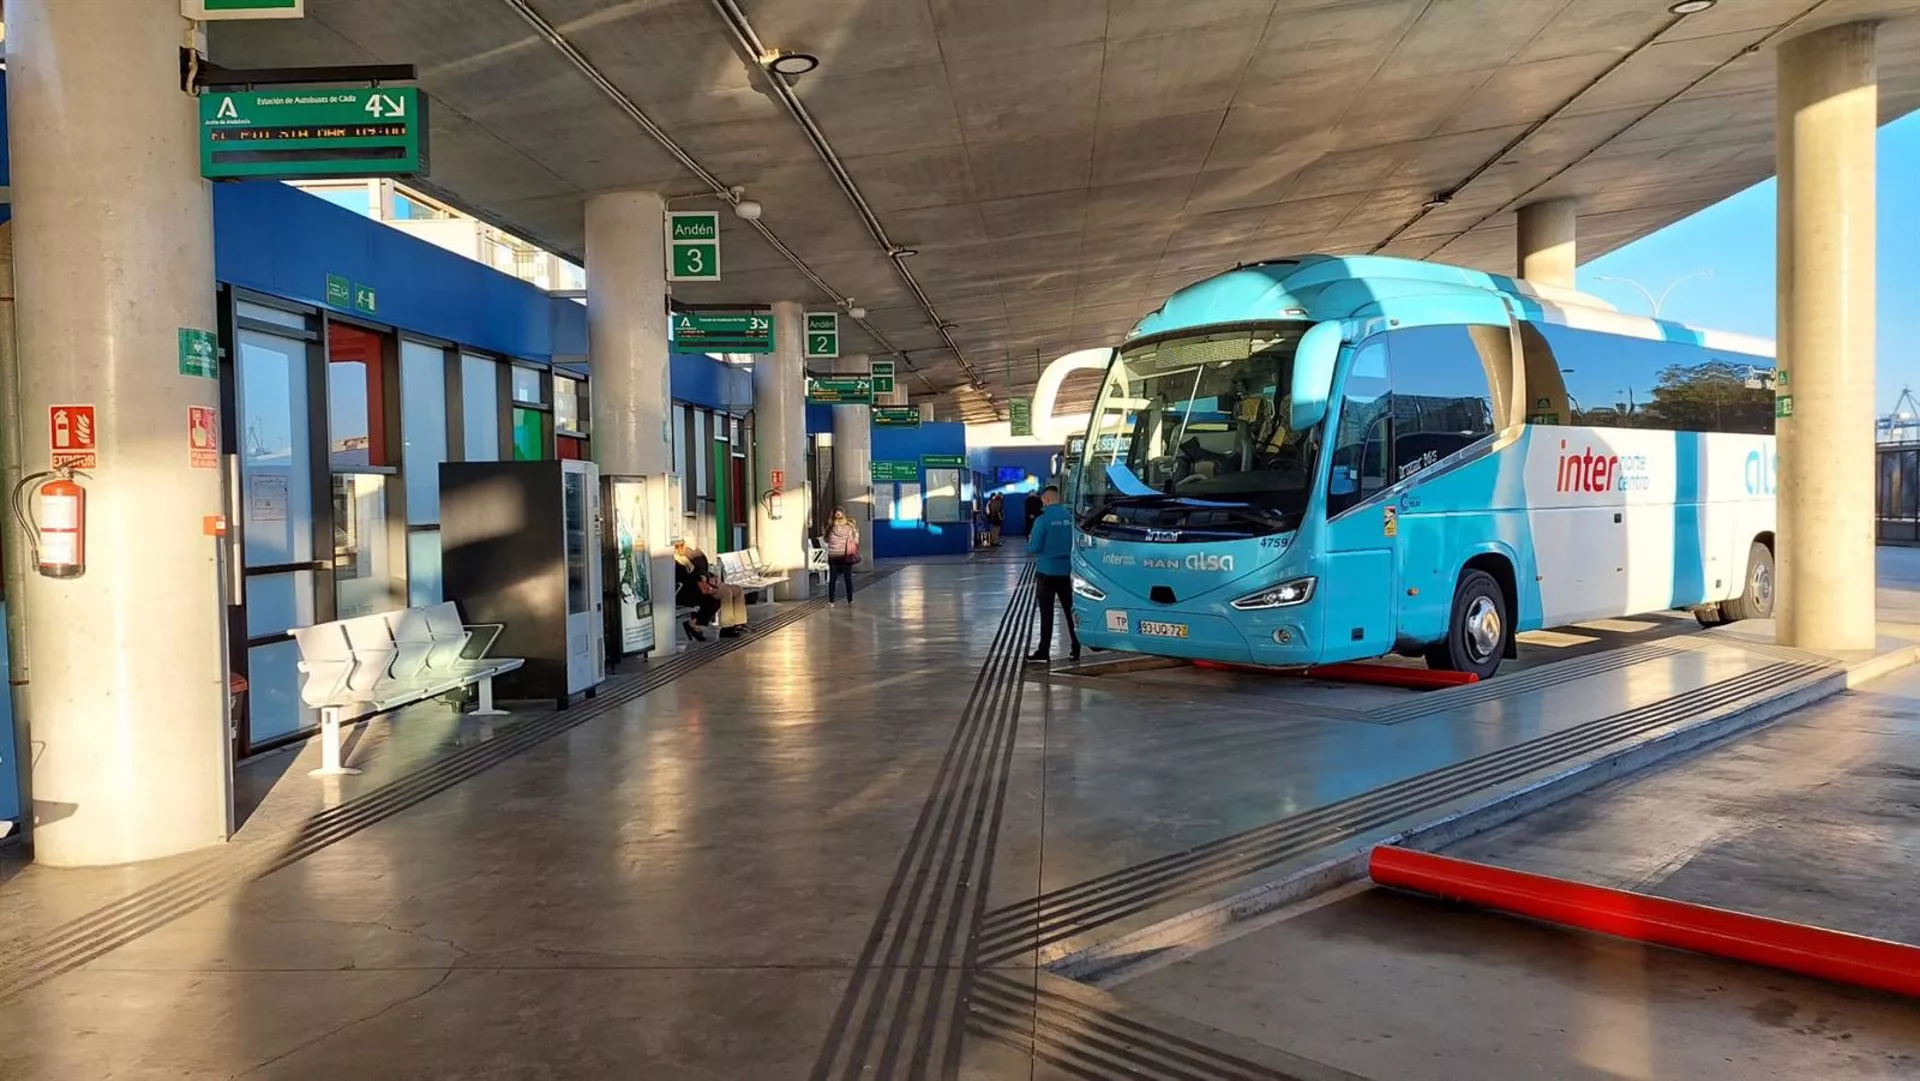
(1477, 632)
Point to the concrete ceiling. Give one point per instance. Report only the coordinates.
(1062, 165)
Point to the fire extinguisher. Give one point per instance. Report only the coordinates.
(56, 523)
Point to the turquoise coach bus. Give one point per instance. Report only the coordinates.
(1321, 459)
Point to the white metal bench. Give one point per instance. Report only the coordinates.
(360, 667)
(738, 569)
(817, 569)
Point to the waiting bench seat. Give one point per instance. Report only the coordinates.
(738, 569)
(367, 665)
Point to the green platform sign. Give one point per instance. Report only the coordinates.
(693, 246)
(896, 416)
(723, 332)
(887, 472)
(291, 133)
(944, 461)
(840, 390)
(883, 377)
(242, 9)
(1020, 416)
(823, 335)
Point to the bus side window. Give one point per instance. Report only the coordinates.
(1361, 459)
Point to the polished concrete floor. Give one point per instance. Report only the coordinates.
(839, 849)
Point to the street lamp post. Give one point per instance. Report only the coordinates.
(1655, 303)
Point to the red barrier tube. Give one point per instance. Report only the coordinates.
(1793, 947)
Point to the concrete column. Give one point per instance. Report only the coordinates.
(780, 443)
(630, 396)
(1828, 110)
(1546, 242)
(852, 476)
(113, 253)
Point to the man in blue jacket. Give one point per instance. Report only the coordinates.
(1050, 541)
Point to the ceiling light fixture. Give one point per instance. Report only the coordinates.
(856, 310)
(1690, 7)
(898, 252)
(790, 64)
(747, 210)
(1439, 200)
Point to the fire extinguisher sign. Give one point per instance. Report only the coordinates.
(203, 437)
(72, 440)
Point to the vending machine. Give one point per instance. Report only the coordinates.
(521, 548)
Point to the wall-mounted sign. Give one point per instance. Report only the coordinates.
(823, 335)
(199, 353)
(72, 440)
(1020, 416)
(295, 132)
(896, 416)
(883, 377)
(339, 291)
(364, 300)
(723, 332)
(209, 10)
(944, 461)
(203, 437)
(840, 390)
(888, 472)
(693, 246)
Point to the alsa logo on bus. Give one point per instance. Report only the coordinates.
(1760, 473)
(1198, 561)
(1586, 471)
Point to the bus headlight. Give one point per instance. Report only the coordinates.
(1284, 595)
(1084, 588)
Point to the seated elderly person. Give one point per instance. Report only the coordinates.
(697, 587)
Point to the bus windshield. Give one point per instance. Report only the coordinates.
(1191, 433)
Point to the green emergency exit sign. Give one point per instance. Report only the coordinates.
(313, 132)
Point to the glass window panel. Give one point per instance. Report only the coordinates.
(702, 458)
(573, 511)
(277, 603)
(1617, 381)
(529, 435)
(943, 496)
(362, 558)
(1442, 402)
(1361, 458)
(423, 427)
(526, 385)
(261, 313)
(276, 450)
(679, 427)
(274, 708)
(566, 404)
(480, 406)
(423, 567)
(356, 398)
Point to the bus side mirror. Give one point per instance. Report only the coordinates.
(1313, 364)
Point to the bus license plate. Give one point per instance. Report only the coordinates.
(1163, 630)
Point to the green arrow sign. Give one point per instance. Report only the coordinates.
(885, 472)
(883, 377)
(1020, 416)
(292, 133)
(823, 335)
(840, 390)
(723, 332)
(897, 416)
(693, 246)
(944, 461)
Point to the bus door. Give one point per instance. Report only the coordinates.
(1357, 590)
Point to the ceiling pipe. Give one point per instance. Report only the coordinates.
(749, 42)
(715, 186)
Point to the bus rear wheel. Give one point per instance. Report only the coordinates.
(1477, 631)
(1756, 599)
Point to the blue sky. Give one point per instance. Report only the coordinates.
(1735, 240)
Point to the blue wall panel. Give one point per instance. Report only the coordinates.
(280, 240)
(1036, 462)
(906, 539)
(702, 380)
(819, 418)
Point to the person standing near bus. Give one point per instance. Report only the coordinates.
(1050, 542)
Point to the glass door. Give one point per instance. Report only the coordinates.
(284, 587)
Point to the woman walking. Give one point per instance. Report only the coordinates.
(843, 553)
